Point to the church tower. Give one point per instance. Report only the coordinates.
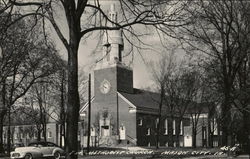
(111, 76)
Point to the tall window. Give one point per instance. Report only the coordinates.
(166, 126)
(140, 122)
(156, 122)
(173, 127)
(181, 128)
(49, 134)
(148, 131)
(214, 127)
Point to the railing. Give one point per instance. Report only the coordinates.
(132, 140)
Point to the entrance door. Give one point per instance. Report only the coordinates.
(187, 141)
(105, 131)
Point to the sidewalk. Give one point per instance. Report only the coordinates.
(219, 157)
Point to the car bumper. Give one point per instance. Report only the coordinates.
(16, 155)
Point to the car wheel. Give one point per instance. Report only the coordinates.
(57, 155)
(28, 156)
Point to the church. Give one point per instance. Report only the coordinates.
(122, 114)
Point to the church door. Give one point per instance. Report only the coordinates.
(105, 131)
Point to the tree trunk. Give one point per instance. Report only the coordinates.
(73, 103)
(159, 116)
(1, 131)
(171, 136)
(210, 134)
(226, 118)
(246, 125)
(39, 133)
(194, 134)
(62, 111)
(178, 124)
(44, 131)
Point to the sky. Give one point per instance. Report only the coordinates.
(89, 51)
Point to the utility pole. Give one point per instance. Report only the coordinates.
(62, 112)
(89, 114)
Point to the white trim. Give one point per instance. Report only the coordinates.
(132, 111)
(86, 105)
(126, 100)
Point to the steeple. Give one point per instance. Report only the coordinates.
(112, 41)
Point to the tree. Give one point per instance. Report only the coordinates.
(23, 62)
(84, 17)
(47, 96)
(161, 71)
(220, 30)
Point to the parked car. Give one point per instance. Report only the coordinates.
(38, 150)
(18, 144)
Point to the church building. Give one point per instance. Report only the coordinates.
(119, 112)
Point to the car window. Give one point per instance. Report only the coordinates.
(33, 144)
(51, 144)
(39, 144)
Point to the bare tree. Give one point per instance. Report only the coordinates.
(23, 62)
(162, 70)
(220, 31)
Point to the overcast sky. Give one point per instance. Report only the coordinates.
(89, 53)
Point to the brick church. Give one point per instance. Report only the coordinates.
(121, 113)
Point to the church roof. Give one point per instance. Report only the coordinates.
(147, 101)
(143, 99)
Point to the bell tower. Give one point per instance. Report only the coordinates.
(112, 40)
(111, 76)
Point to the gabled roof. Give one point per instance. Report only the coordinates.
(143, 99)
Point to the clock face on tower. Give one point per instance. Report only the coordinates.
(105, 86)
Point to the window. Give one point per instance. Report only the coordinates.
(51, 144)
(16, 136)
(166, 144)
(35, 135)
(42, 136)
(214, 127)
(49, 134)
(156, 122)
(181, 144)
(22, 135)
(149, 144)
(173, 127)
(166, 126)
(92, 132)
(215, 143)
(148, 131)
(181, 128)
(140, 122)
